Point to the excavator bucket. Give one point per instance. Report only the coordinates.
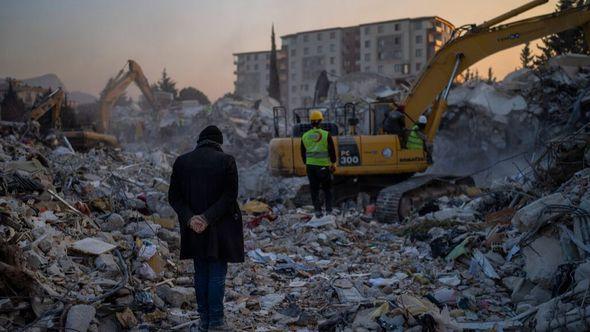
(84, 140)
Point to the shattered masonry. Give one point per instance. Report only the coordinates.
(89, 242)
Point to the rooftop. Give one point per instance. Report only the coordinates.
(438, 18)
(372, 23)
(248, 53)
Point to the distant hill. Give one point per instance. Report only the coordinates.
(82, 97)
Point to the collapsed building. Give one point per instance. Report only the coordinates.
(90, 243)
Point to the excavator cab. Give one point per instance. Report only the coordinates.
(302, 124)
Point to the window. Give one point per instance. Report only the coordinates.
(419, 39)
(367, 68)
(319, 36)
(305, 38)
(332, 48)
(333, 35)
(305, 51)
(397, 40)
(380, 68)
(248, 57)
(333, 71)
(418, 52)
(320, 48)
(255, 56)
(292, 64)
(293, 76)
(406, 68)
(367, 56)
(294, 88)
(397, 68)
(396, 27)
(256, 67)
(379, 28)
(367, 43)
(418, 25)
(418, 66)
(293, 52)
(247, 67)
(267, 56)
(332, 59)
(367, 30)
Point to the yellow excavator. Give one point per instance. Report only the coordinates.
(381, 160)
(52, 102)
(111, 93)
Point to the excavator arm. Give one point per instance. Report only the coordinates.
(432, 86)
(117, 86)
(52, 101)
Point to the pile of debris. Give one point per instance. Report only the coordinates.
(88, 240)
(489, 122)
(247, 128)
(90, 243)
(514, 256)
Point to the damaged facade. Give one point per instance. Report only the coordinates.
(397, 49)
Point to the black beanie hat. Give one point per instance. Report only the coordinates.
(211, 133)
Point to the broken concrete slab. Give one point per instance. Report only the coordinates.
(176, 296)
(531, 216)
(542, 258)
(79, 317)
(92, 246)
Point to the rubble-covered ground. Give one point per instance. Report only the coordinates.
(506, 123)
(89, 243)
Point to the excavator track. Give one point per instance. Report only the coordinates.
(396, 202)
(347, 188)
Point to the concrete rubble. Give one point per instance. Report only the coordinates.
(488, 123)
(89, 242)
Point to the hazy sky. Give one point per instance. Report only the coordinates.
(85, 42)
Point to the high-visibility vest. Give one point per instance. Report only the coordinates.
(415, 142)
(315, 141)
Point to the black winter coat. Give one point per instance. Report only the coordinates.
(205, 182)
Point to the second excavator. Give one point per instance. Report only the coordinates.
(114, 89)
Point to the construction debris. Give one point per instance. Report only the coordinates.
(89, 242)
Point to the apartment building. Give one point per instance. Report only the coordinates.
(308, 54)
(253, 73)
(398, 49)
(401, 48)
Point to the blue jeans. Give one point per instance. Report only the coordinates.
(210, 287)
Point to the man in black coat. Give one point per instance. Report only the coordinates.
(203, 192)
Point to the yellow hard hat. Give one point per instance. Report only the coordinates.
(316, 115)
